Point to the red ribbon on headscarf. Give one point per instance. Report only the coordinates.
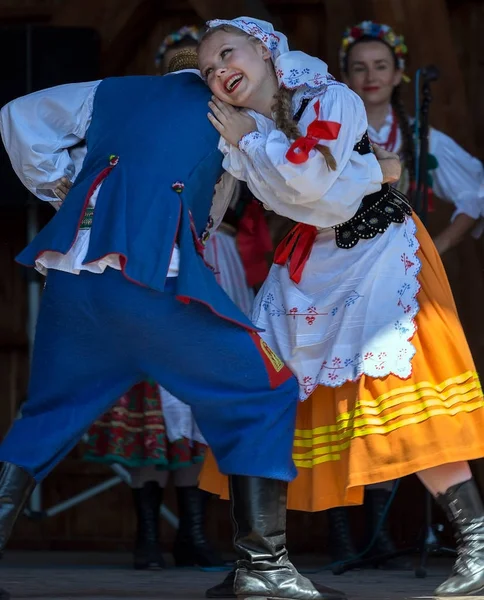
(296, 248)
(318, 130)
(254, 242)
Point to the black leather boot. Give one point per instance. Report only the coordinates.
(147, 502)
(341, 545)
(463, 506)
(376, 503)
(224, 589)
(263, 568)
(15, 488)
(191, 545)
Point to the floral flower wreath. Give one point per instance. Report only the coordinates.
(378, 31)
(187, 31)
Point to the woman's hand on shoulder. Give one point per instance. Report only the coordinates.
(230, 122)
(390, 164)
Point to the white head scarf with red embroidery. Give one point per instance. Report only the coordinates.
(294, 69)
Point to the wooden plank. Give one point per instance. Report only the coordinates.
(272, 5)
(130, 36)
(212, 9)
(108, 17)
(337, 17)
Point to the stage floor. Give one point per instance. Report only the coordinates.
(62, 576)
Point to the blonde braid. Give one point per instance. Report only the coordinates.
(285, 122)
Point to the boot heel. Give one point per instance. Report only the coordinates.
(464, 508)
(148, 554)
(192, 548)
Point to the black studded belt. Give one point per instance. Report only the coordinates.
(376, 212)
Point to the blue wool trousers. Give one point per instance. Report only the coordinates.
(97, 335)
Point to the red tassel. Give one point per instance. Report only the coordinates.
(295, 249)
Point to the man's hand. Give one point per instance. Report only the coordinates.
(389, 163)
(63, 185)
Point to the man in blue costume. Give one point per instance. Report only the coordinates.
(128, 297)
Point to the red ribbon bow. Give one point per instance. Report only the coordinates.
(296, 248)
(299, 151)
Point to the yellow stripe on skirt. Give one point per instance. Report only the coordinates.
(375, 430)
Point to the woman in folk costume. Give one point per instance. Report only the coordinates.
(357, 303)
(372, 63)
(153, 434)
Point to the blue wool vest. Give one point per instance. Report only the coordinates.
(159, 188)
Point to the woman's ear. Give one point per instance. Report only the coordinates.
(397, 78)
(265, 52)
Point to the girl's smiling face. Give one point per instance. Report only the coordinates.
(235, 66)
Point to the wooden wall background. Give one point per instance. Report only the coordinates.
(444, 32)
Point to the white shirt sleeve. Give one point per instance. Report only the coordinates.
(459, 176)
(43, 134)
(309, 192)
(226, 189)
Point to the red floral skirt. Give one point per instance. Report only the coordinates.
(133, 434)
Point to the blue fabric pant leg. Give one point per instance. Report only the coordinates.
(99, 334)
(77, 373)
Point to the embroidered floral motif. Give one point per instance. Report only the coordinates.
(296, 78)
(352, 298)
(279, 311)
(247, 140)
(309, 313)
(407, 262)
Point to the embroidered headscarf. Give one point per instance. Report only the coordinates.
(293, 68)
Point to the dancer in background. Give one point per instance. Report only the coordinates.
(357, 302)
(372, 63)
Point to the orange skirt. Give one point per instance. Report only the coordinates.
(376, 430)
